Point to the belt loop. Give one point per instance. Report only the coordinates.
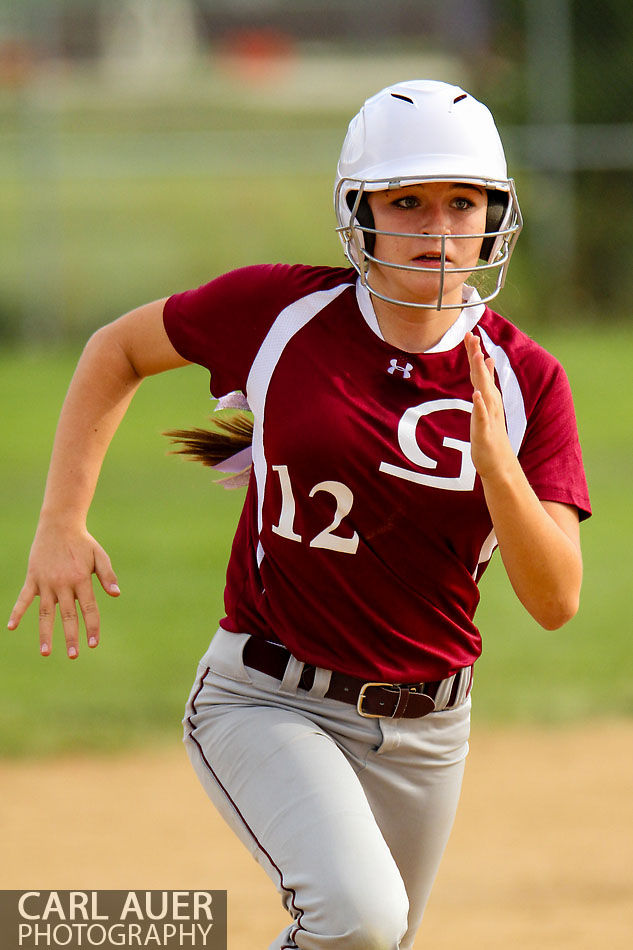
(321, 683)
(444, 692)
(464, 685)
(292, 675)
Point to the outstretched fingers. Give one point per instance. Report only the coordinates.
(61, 564)
(71, 600)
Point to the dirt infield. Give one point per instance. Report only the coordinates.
(540, 856)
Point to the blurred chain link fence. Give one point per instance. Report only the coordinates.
(109, 107)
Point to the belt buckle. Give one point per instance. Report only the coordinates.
(361, 697)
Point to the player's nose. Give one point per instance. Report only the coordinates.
(436, 219)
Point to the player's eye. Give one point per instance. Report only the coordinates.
(463, 204)
(407, 202)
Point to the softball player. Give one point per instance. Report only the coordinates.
(401, 431)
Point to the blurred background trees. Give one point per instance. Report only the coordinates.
(149, 144)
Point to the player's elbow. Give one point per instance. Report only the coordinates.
(105, 348)
(556, 612)
(553, 598)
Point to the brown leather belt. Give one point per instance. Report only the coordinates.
(372, 700)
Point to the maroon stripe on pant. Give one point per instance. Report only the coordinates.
(288, 890)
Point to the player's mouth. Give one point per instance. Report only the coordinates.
(430, 259)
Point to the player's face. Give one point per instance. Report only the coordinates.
(430, 208)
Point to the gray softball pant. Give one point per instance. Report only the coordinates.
(349, 816)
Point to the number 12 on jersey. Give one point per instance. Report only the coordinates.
(325, 538)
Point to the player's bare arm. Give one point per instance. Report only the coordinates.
(64, 555)
(539, 541)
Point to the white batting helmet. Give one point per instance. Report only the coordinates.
(420, 131)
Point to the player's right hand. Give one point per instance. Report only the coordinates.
(61, 564)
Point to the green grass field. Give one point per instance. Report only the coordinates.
(168, 530)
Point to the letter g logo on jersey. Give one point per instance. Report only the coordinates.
(407, 440)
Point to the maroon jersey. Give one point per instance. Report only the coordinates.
(365, 528)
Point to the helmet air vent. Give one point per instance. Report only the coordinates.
(459, 98)
(396, 95)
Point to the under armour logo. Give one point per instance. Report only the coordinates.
(405, 370)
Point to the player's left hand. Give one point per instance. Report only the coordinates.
(491, 451)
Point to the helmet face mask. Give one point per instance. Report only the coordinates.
(413, 133)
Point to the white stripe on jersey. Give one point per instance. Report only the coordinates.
(486, 552)
(289, 321)
(513, 404)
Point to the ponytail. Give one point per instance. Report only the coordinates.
(226, 436)
(225, 446)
